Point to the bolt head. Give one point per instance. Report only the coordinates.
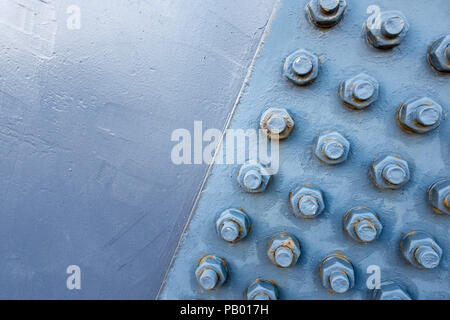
(421, 250)
(262, 289)
(253, 177)
(336, 273)
(233, 225)
(331, 147)
(419, 115)
(439, 54)
(326, 13)
(283, 250)
(362, 224)
(276, 123)
(212, 272)
(394, 27)
(306, 202)
(390, 290)
(439, 196)
(301, 67)
(359, 92)
(389, 172)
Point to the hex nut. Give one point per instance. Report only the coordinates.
(233, 225)
(421, 250)
(388, 31)
(439, 196)
(389, 172)
(362, 224)
(262, 289)
(439, 54)
(283, 249)
(253, 176)
(331, 147)
(301, 67)
(419, 115)
(336, 273)
(306, 201)
(212, 272)
(276, 123)
(359, 92)
(326, 13)
(390, 290)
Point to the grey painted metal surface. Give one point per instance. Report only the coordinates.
(85, 123)
(402, 73)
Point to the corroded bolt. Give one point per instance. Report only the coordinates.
(421, 250)
(301, 67)
(390, 290)
(253, 176)
(362, 224)
(359, 91)
(306, 201)
(331, 147)
(439, 196)
(233, 225)
(390, 32)
(283, 250)
(439, 54)
(419, 115)
(326, 13)
(212, 272)
(336, 273)
(262, 289)
(276, 123)
(389, 172)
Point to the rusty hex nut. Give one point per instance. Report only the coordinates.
(390, 290)
(326, 13)
(359, 91)
(389, 172)
(439, 54)
(306, 202)
(262, 289)
(389, 31)
(283, 250)
(276, 123)
(301, 67)
(212, 272)
(331, 147)
(419, 115)
(439, 196)
(233, 225)
(253, 177)
(336, 273)
(421, 250)
(362, 224)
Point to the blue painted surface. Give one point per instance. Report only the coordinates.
(85, 123)
(402, 72)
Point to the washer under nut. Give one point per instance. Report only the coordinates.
(389, 172)
(253, 177)
(233, 225)
(212, 272)
(262, 289)
(306, 201)
(419, 115)
(439, 196)
(276, 123)
(336, 273)
(283, 250)
(362, 224)
(421, 250)
(301, 67)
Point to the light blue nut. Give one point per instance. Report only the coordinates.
(283, 250)
(439, 54)
(262, 289)
(421, 250)
(359, 92)
(439, 196)
(254, 177)
(390, 290)
(362, 224)
(336, 273)
(301, 67)
(326, 13)
(306, 201)
(233, 225)
(389, 32)
(212, 272)
(276, 123)
(389, 172)
(331, 147)
(419, 115)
